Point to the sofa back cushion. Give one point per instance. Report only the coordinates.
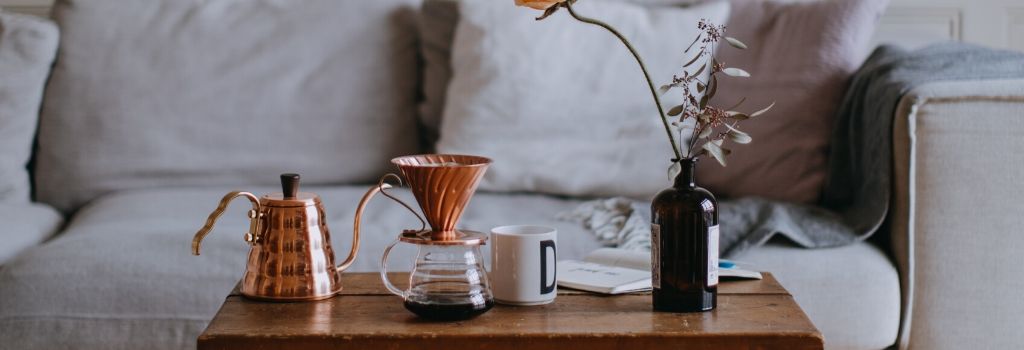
(801, 56)
(27, 47)
(225, 92)
(560, 105)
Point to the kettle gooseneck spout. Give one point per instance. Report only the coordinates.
(355, 225)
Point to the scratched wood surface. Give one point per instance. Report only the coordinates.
(750, 315)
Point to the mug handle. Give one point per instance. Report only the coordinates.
(384, 272)
(545, 287)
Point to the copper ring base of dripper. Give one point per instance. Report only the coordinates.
(453, 237)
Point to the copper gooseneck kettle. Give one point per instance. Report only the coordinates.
(291, 257)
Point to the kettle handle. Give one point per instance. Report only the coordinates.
(378, 188)
(254, 216)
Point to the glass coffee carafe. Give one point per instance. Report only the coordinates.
(448, 280)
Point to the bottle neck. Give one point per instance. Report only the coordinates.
(685, 179)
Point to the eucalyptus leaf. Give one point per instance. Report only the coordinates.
(736, 43)
(677, 110)
(737, 115)
(694, 60)
(738, 104)
(674, 170)
(739, 137)
(704, 102)
(736, 72)
(701, 70)
(705, 133)
(763, 111)
(695, 40)
(663, 89)
(714, 87)
(716, 152)
(700, 87)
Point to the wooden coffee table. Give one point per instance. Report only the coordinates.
(750, 315)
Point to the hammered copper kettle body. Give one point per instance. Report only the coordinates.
(291, 258)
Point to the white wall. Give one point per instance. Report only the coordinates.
(912, 23)
(997, 23)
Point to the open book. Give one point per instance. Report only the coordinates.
(616, 271)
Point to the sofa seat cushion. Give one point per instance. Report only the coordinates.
(122, 277)
(25, 226)
(851, 293)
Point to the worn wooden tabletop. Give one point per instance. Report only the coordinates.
(750, 315)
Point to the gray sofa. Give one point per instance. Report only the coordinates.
(119, 274)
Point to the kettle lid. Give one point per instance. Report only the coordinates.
(290, 195)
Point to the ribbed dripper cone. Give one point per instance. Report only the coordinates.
(443, 185)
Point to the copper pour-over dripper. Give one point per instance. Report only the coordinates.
(442, 185)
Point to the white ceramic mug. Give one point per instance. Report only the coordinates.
(523, 270)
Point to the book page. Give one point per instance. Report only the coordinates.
(598, 277)
(640, 260)
(630, 259)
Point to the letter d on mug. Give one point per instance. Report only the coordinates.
(523, 264)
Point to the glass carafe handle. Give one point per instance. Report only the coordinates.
(384, 272)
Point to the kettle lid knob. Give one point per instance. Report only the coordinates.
(289, 185)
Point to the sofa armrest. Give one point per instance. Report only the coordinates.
(958, 216)
(25, 225)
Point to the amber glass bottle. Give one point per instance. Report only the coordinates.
(684, 246)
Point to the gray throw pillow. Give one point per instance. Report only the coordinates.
(170, 93)
(28, 45)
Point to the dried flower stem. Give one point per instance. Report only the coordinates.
(697, 126)
(643, 67)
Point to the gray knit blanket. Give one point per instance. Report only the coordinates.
(857, 194)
